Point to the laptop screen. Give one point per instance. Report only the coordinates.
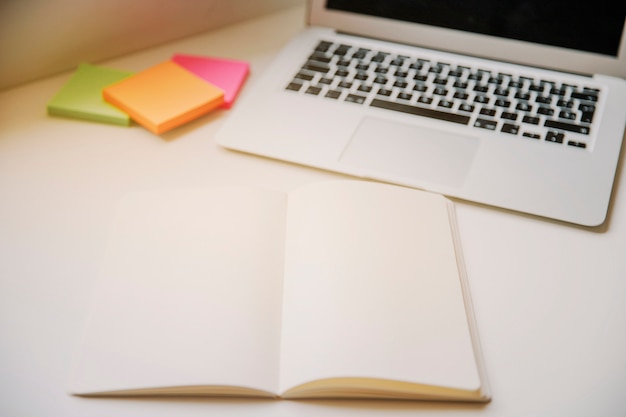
(594, 27)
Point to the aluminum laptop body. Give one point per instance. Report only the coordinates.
(348, 95)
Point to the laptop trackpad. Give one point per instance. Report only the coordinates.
(387, 149)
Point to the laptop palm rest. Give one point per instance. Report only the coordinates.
(387, 149)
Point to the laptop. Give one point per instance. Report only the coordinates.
(518, 105)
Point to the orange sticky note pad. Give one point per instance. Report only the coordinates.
(164, 96)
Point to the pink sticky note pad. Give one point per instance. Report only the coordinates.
(229, 75)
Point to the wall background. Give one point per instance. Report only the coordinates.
(39, 38)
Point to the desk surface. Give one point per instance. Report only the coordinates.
(550, 298)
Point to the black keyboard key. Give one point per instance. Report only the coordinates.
(554, 137)
(334, 94)
(510, 128)
(466, 107)
(586, 117)
(566, 114)
(420, 111)
(425, 100)
(361, 53)
(313, 90)
(531, 120)
(485, 124)
(508, 116)
(343, 63)
(315, 67)
(294, 86)
(379, 57)
(323, 46)
(570, 127)
(304, 76)
(503, 103)
(557, 91)
(585, 107)
(481, 88)
(546, 111)
(523, 106)
(342, 50)
(320, 58)
(577, 144)
(446, 104)
(586, 96)
(488, 112)
(353, 98)
(531, 135)
(501, 92)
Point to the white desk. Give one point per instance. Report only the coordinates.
(550, 299)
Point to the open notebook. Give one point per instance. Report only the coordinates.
(520, 105)
(338, 289)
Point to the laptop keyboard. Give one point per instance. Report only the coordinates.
(519, 105)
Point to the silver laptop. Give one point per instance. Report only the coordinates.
(519, 105)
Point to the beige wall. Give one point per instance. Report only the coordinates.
(43, 37)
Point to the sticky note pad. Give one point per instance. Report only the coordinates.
(81, 96)
(227, 74)
(164, 96)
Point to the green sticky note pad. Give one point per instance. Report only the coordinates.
(81, 96)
